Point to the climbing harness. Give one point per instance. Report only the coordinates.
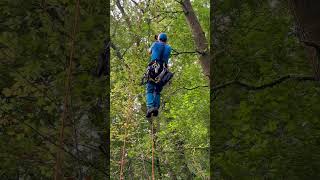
(157, 73)
(152, 75)
(162, 79)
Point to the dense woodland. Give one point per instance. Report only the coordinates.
(265, 110)
(36, 41)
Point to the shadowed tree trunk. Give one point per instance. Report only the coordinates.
(307, 15)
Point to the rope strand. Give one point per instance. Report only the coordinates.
(66, 101)
(152, 139)
(122, 155)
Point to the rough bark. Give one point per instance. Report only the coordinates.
(307, 15)
(103, 59)
(199, 37)
(314, 60)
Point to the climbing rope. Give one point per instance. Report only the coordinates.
(152, 139)
(123, 154)
(66, 100)
(129, 112)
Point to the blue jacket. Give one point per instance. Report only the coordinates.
(156, 48)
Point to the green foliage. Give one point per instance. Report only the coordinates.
(182, 126)
(270, 133)
(35, 45)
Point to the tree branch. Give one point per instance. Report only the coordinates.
(117, 50)
(174, 12)
(193, 87)
(264, 86)
(118, 4)
(184, 52)
(186, 88)
(137, 4)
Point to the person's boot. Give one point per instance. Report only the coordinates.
(155, 112)
(149, 112)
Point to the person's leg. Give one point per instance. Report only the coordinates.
(157, 100)
(156, 104)
(149, 96)
(150, 88)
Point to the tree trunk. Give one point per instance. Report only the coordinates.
(307, 15)
(314, 59)
(199, 37)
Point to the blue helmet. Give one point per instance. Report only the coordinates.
(163, 37)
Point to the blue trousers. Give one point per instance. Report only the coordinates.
(153, 95)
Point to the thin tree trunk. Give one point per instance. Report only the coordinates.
(199, 37)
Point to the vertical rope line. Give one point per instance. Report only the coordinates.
(66, 101)
(126, 126)
(123, 154)
(152, 138)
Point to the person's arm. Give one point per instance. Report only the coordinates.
(150, 49)
(167, 61)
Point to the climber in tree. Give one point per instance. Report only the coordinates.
(160, 53)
